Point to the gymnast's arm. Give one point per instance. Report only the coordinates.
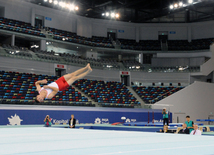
(37, 84)
(53, 93)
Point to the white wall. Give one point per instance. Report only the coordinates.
(150, 31)
(202, 30)
(84, 26)
(99, 28)
(195, 100)
(168, 62)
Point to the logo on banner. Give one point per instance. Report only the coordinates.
(130, 120)
(101, 121)
(97, 121)
(14, 120)
(60, 121)
(156, 121)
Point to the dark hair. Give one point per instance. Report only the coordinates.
(188, 116)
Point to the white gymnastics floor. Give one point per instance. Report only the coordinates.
(41, 140)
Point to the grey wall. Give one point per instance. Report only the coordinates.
(166, 62)
(27, 66)
(83, 26)
(195, 100)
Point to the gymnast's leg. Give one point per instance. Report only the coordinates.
(79, 74)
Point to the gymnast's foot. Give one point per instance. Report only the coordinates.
(89, 67)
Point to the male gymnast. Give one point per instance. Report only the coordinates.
(49, 91)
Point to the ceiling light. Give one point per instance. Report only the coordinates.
(50, 1)
(171, 6)
(62, 4)
(70, 7)
(107, 14)
(175, 5)
(56, 2)
(190, 1)
(45, 0)
(76, 8)
(180, 4)
(112, 15)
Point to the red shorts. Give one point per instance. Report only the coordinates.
(62, 83)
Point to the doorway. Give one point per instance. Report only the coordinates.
(124, 79)
(60, 72)
(111, 35)
(39, 21)
(163, 36)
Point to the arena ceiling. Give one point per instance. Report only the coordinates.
(142, 11)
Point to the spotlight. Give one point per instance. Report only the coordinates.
(50, 1)
(107, 14)
(56, 2)
(190, 1)
(180, 4)
(175, 5)
(171, 6)
(76, 8)
(62, 4)
(112, 15)
(117, 15)
(45, 0)
(70, 7)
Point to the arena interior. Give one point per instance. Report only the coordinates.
(145, 55)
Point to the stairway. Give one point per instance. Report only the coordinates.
(164, 46)
(137, 96)
(116, 44)
(83, 94)
(121, 65)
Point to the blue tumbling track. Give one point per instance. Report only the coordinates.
(159, 124)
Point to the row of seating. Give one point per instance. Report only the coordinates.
(106, 92)
(197, 44)
(173, 45)
(151, 95)
(149, 45)
(19, 26)
(21, 86)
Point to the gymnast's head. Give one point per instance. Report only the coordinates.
(39, 98)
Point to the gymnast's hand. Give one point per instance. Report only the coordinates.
(44, 81)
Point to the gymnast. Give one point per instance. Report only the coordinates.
(49, 91)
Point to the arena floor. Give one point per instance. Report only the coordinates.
(41, 140)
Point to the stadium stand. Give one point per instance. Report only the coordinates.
(14, 50)
(95, 41)
(197, 44)
(74, 38)
(107, 93)
(19, 88)
(151, 95)
(19, 26)
(70, 59)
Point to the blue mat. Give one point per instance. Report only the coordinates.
(159, 124)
